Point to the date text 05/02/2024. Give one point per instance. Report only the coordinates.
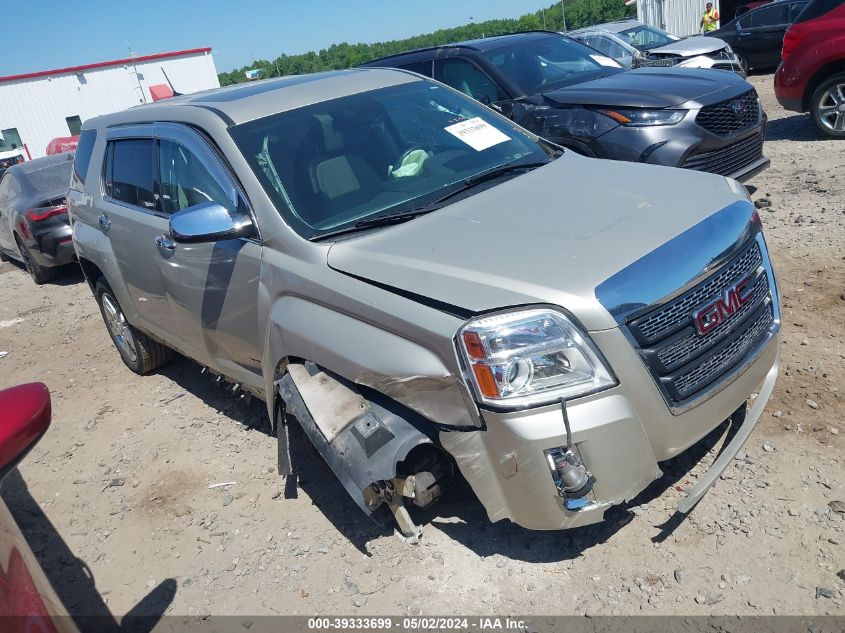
(421, 623)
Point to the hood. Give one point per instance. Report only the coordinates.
(549, 236)
(648, 88)
(691, 46)
(10, 153)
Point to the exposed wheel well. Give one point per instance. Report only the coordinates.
(91, 271)
(821, 75)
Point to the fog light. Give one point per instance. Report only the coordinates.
(571, 477)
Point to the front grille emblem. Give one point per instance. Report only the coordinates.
(738, 107)
(717, 312)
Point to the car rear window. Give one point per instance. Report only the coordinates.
(817, 9)
(83, 157)
(51, 178)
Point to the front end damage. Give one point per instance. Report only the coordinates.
(697, 331)
(384, 455)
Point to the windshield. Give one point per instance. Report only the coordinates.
(4, 146)
(51, 178)
(543, 64)
(646, 37)
(332, 164)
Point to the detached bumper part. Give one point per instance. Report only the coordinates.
(751, 418)
(368, 447)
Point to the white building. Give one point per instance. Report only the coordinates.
(682, 17)
(38, 107)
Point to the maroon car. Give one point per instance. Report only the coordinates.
(811, 76)
(27, 601)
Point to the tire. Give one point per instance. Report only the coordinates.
(139, 352)
(40, 274)
(827, 107)
(743, 61)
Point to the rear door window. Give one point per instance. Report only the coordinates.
(130, 172)
(465, 76)
(773, 15)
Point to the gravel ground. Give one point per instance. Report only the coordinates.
(117, 504)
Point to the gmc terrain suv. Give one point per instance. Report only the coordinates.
(423, 286)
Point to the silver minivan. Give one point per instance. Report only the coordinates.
(429, 291)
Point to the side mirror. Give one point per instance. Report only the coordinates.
(25, 414)
(209, 222)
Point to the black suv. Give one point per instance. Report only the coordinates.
(756, 36)
(569, 93)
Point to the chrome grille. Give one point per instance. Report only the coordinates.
(685, 363)
(702, 375)
(674, 315)
(728, 159)
(723, 120)
(691, 344)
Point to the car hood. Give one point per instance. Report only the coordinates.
(10, 153)
(691, 46)
(648, 88)
(548, 236)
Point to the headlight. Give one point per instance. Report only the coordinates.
(576, 122)
(530, 357)
(645, 118)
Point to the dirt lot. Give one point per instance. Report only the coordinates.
(120, 484)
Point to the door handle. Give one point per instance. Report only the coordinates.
(165, 243)
(104, 221)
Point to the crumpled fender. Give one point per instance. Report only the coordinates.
(366, 355)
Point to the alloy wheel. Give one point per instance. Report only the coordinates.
(831, 108)
(119, 327)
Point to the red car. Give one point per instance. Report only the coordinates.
(811, 76)
(27, 601)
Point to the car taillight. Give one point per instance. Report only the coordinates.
(790, 41)
(37, 215)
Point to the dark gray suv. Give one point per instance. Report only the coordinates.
(702, 119)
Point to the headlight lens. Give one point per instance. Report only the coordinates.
(529, 357)
(645, 118)
(578, 122)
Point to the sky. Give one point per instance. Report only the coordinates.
(48, 34)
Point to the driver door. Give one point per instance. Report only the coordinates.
(211, 287)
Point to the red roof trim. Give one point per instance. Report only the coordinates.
(116, 62)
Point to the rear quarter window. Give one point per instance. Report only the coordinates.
(84, 150)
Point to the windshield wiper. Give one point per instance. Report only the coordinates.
(501, 170)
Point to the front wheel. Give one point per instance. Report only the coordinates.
(827, 107)
(139, 352)
(743, 62)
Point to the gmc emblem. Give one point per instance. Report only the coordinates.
(714, 314)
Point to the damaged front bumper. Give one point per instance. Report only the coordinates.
(506, 465)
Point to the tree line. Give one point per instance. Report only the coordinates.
(579, 13)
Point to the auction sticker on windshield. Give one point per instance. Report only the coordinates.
(477, 133)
